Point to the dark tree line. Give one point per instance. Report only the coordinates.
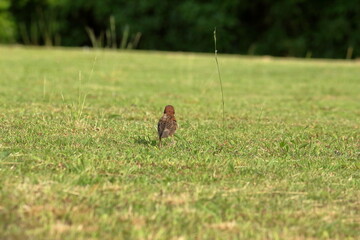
(300, 28)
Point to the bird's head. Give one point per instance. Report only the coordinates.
(169, 110)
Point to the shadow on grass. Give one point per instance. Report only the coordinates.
(145, 141)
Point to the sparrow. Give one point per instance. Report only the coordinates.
(167, 124)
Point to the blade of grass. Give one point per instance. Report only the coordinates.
(221, 86)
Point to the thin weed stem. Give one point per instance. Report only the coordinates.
(79, 89)
(92, 69)
(221, 86)
(44, 87)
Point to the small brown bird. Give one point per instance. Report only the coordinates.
(167, 124)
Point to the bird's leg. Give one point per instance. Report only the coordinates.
(159, 142)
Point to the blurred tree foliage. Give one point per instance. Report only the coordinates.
(300, 28)
(7, 24)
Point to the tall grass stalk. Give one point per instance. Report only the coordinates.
(221, 86)
(349, 52)
(108, 38)
(93, 66)
(136, 40)
(113, 31)
(79, 89)
(24, 34)
(92, 36)
(44, 87)
(125, 37)
(81, 102)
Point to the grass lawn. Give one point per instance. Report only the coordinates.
(79, 156)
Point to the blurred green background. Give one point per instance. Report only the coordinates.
(298, 28)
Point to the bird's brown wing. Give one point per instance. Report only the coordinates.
(172, 126)
(161, 127)
(166, 127)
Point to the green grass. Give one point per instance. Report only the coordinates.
(79, 156)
